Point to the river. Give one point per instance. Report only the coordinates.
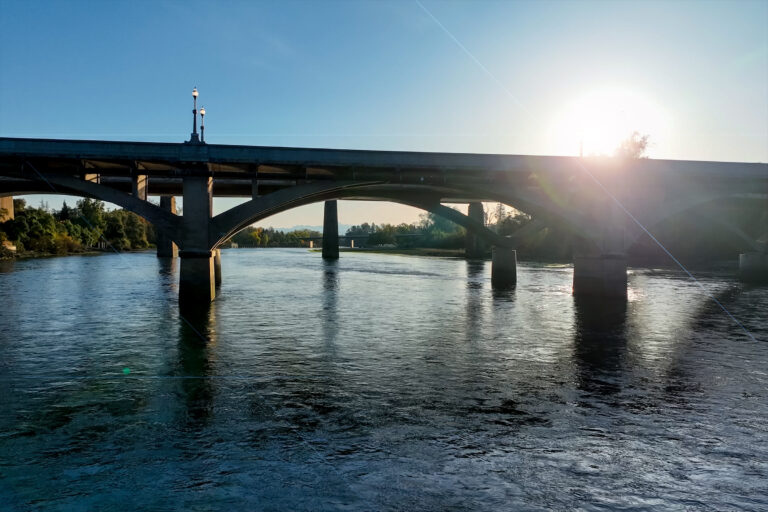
(378, 382)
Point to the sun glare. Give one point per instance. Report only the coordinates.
(597, 122)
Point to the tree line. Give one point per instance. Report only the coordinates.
(86, 226)
(270, 237)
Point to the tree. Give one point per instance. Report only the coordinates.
(65, 213)
(633, 146)
(91, 213)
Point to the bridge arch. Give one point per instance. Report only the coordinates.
(164, 222)
(427, 198)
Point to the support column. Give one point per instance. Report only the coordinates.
(753, 267)
(6, 204)
(197, 282)
(503, 268)
(217, 266)
(331, 231)
(166, 248)
(475, 248)
(139, 186)
(600, 276)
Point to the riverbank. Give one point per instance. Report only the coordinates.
(26, 255)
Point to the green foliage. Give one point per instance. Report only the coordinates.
(270, 237)
(75, 229)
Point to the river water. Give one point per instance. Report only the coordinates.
(379, 382)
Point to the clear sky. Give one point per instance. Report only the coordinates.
(465, 76)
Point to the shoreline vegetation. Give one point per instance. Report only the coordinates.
(87, 228)
(90, 229)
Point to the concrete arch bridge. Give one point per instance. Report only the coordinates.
(604, 201)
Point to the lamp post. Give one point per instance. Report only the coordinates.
(194, 137)
(202, 124)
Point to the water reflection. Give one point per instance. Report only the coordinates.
(6, 266)
(330, 291)
(600, 344)
(474, 297)
(196, 353)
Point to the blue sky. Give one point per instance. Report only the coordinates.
(474, 76)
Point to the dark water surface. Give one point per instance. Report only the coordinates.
(380, 382)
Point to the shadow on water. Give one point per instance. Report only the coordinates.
(6, 266)
(168, 269)
(600, 344)
(475, 296)
(196, 349)
(330, 313)
(167, 266)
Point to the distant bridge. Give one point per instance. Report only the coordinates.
(593, 197)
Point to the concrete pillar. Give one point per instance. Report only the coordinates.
(139, 186)
(197, 282)
(753, 267)
(475, 248)
(600, 276)
(197, 279)
(503, 267)
(166, 248)
(331, 231)
(6, 204)
(217, 266)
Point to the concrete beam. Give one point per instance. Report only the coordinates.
(139, 186)
(166, 248)
(331, 231)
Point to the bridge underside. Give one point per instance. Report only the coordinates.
(592, 198)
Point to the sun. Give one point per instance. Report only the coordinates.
(596, 122)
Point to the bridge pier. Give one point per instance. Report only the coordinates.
(6, 204)
(753, 267)
(331, 231)
(217, 267)
(603, 275)
(197, 281)
(166, 248)
(503, 267)
(474, 245)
